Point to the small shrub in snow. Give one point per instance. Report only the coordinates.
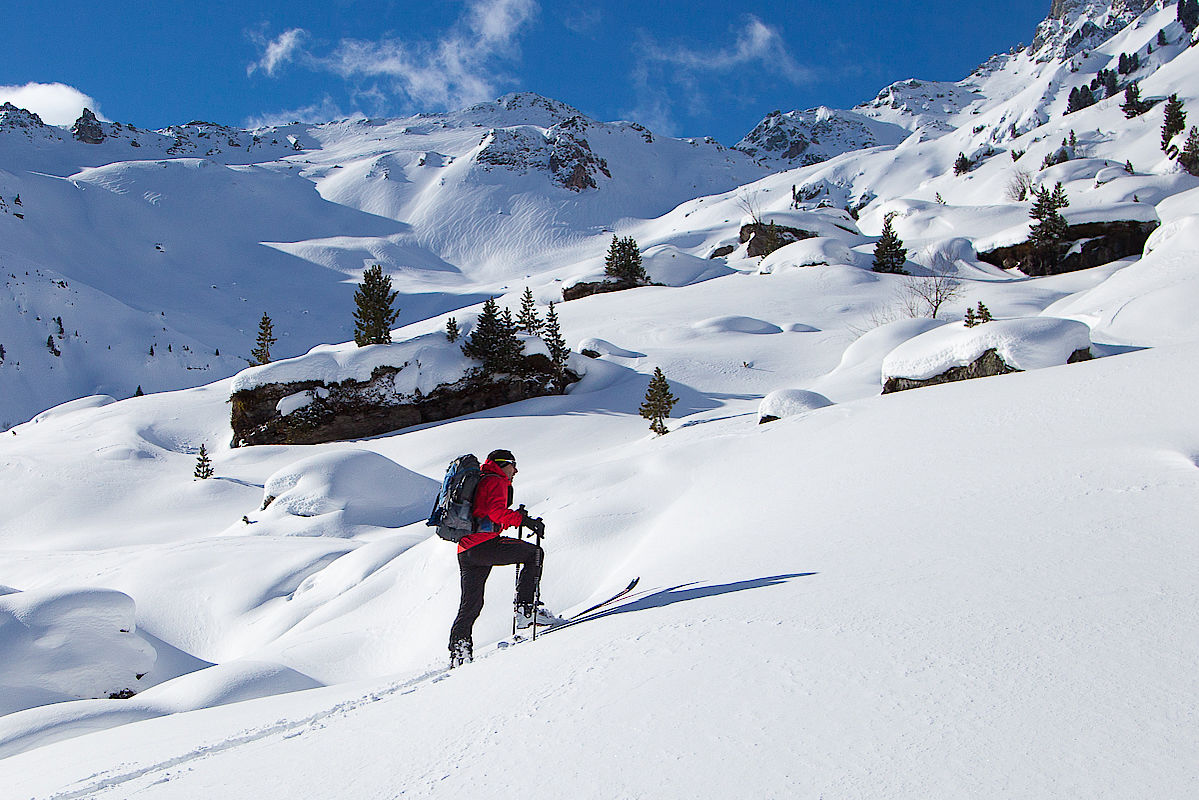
(1019, 186)
(658, 402)
(1128, 167)
(962, 165)
(50, 346)
(203, 469)
(374, 315)
(889, 254)
(262, 351)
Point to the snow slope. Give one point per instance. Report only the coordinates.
(977, 589)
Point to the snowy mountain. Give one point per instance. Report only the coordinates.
(800, 138)
(974, 589)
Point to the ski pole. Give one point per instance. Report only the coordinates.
(520, 534)
(537, 588)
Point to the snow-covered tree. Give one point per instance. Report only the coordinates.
(889, 254)
(262, 351)
(1174, 121)
(962, 165)
(374, 315)
(204, 469)
(658, 402)
(623, 261)
(50, 346)
(527, 320)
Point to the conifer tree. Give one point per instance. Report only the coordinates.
(50, 346)
(1162, 41)
(1128, 167)
(982, 313)
(266, 338)
(962, 165)
(204, 469)
(889, 254)
(527, 319)
(623, 262)
(1132, 106)
(374, 315)
(511, 347)
(139, 392)
(1047, 235)
(451, 329)
(552, 335)
(971, 320)
(1189, 157)
(1174, 121)
(658, 402)
(1188, 14)
(493, 341)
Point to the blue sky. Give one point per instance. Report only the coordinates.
(682, 68)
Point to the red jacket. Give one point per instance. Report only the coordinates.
(493, 495)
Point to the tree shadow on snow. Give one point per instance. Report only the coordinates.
(685, 592)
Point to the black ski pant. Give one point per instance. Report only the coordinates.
(475, 565)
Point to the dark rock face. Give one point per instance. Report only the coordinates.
(1089, 245)
(721, 252)
(13, 117)
(764, 238)
(88, 129)
(356, 409)
(562, 152)
(588, 288)
(986, 365)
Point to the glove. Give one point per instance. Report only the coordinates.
(534, 524)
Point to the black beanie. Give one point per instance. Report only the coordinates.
(501, 455)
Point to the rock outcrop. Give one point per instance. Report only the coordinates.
(318, 412)
(88, 129)
(988, 364)
(588, 288)
(1086, 245)
(562, 152)
(766, 237)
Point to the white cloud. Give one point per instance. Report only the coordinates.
(460, 68)
(665, 77)
(280, 50)
(55, 103)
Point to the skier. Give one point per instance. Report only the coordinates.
(480, 551)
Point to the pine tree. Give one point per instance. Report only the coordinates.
(1128, 167)
(1162, 41)
(552, 335)
(493, 341)
(50, 346)
(266, 338)
(962, 165)
(527, 319)
(1188, 14)
(983, 313)
(451, 329)
(623, 262)
(1174, 121)
(889, 254)
(1132, 106)
(374, 314)
(204, 469)
(1047, 235)
(1080, 97)
(971, 320)
(1189, 157)
(658, 402)
(139, 392)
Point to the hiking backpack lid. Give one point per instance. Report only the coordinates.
(451, 513)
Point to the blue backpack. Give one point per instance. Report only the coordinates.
(452, 510)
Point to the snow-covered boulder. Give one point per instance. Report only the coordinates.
(337, 493)
(347, 392)
(789, 402)
(955, 352)
(68, 644)
(819, 251)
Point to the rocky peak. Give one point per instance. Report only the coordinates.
(1076, 25)
(87, 128)
(800, 138)
(13, 117)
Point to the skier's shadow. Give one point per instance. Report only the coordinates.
(685, 592)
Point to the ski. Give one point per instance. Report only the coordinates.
(612, 599)
(574, 619)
